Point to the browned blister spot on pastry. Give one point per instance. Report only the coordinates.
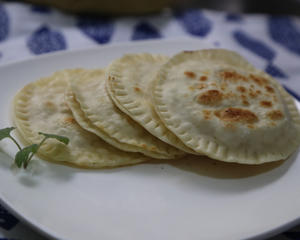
(217, 113)
(206, 114)
(190, 74)
(251, 126)
(232, 76)
(201, 86)
(137, 89)
(210, 97)
(144, 146)
(69, 120)
(269, 89)
(192, 88)
(203, 78)
(275, 115)
(252, 94)
(50, 105)
(153, 148)
(246, 103)
(237, 115)
(266, 104)
(223, 86)
(241, 89)
(243, 97)
(230, 125)
(230, 95)
(259, 80)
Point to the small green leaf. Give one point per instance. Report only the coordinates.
(22, 157)
(62, 139)
(5, 132)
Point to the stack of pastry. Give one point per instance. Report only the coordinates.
(142, 106)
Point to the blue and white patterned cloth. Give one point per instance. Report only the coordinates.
(270, 42)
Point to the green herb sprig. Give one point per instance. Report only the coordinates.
(24, 155)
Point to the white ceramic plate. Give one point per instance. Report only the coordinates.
(189, 200)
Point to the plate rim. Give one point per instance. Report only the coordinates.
(43, 230)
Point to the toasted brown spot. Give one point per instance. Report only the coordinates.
(201, 86)
(266, 104)
(233, 76)
(258, 80)
(243, 97)
(223, 86)
(258, 92)
(275, 115)
(237, 115)
(206, 114)
(144, 146)
(210, 97)
(218, 114)
(246, 103)
(230, 95)
(69, 120)
(252, 94)
(269, 89)
(50, 105)
(250, 126)
(241, 89)
(153, 148)
(203, 78)
(190, 74)
(137, 89)
(230, 125)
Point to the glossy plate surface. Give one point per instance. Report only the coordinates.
(191, 199)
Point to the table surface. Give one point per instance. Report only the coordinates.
(270, 42)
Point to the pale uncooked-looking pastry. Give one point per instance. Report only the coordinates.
(40, 107)
(129, 85)
(220, 105)
(94, 111)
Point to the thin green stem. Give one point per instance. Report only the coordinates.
(15, 141)
(31, 156)
(42, 142)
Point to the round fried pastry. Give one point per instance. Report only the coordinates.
(94, 111)
(40, 107)
(220, 105)
(128, 83)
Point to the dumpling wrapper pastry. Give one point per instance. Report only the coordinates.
(129, 85)
(94, 111)
(40, 107)
(220, 105)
